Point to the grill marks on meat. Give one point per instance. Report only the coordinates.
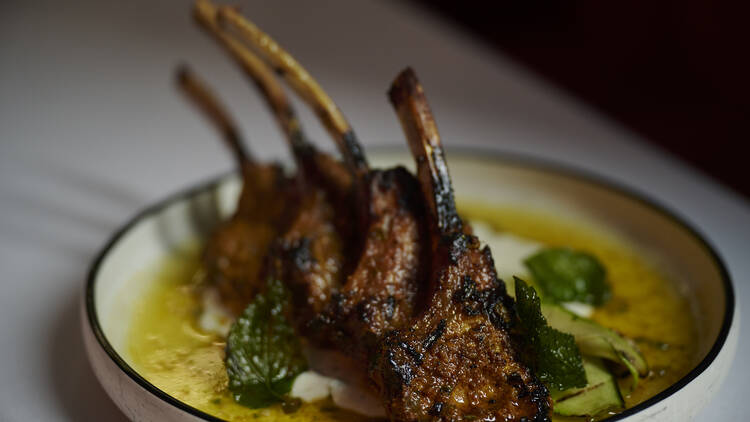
(456, 360)
(380, 293)
(310, 256)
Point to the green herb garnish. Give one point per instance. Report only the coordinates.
(565, 275)
(594, 340)
(551, 354)
(263, 352)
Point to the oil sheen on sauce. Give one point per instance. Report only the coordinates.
(167, 347)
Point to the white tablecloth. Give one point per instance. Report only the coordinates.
(91, 131)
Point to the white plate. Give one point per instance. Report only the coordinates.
(112, 288)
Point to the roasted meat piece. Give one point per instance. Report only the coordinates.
(235, 252)
(457, 359)
(380, 292)
(310, 256)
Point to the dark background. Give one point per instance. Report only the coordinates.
(676, 72)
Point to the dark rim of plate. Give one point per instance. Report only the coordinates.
(506, 158)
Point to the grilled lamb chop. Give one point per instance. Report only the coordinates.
(378, 292)
(236, 250)
(456, 360)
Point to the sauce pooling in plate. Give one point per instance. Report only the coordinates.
(168, 347)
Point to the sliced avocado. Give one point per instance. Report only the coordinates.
(598, 396)
(597, 341)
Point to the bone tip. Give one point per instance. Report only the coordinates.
(404, 86)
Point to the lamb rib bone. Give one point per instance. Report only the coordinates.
(456, 359)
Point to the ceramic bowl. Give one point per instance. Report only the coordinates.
(113, 287)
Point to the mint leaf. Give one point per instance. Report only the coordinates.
(551, 354)
(263, 352)
(565, 275)
(595, 340)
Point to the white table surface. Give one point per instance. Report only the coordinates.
(91, 131)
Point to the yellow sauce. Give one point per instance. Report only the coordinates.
(168, 348)
(645, 306)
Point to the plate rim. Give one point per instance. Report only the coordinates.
(509, 158)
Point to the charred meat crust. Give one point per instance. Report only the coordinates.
(458, 359)
(309, 257)
(381, 291)
(356, 154)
